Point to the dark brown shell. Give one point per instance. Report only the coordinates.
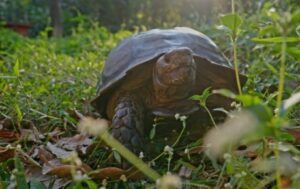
(146, 46)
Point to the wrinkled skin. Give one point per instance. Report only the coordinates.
(174, 75)
(177, 67)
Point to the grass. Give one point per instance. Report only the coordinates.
(45, 82)
(43, 79)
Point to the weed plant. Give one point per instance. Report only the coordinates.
(44, 81)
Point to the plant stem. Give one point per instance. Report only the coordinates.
(129, 156)
(180, 135)
(235, 62)
(281, 74)
(278, 177)
(279, 101)
(234, 47)
(210, 116)
(157, 157)
(175, 143)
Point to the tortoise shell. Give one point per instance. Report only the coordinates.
(144, 48)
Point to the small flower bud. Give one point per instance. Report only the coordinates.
(141, 155)
(177, 116)
(169, 181)
(169, 150)
(123, 178)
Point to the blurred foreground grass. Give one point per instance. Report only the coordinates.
(43, 80)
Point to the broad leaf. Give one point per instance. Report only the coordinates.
(249, 100)
(203, 97)
(20, 175)
(231, 21)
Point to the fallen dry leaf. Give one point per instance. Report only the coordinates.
(31, 135)
(55, 134)
(250, 151)
(134, 174)
(55, 167)
(63, 171)
(286, 183)
(107, 173)
(6, 123)
(8, 136)
(76, 143)
(59, 152)
(39, 152)
(35, 172)
(61, 183)
(6, 153)
(115, 173)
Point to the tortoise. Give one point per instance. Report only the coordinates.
(154, 73)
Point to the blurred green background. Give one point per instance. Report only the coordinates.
(123, 14)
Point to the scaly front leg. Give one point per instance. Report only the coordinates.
(127, 124)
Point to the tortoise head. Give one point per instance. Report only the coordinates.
(176, 67)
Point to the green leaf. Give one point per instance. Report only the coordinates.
(229, 168)
(231, 21)
(267, 30)
(117, 156)
(35, 184)
(298, 30)
(223, 28)
(294, 51)
(282, 136)
(271, 67)
(16, 68)
(295, 17)
(196, 97)
(225, 92)
(203, 97)
(249, 100)
(20, 175)
(91, 184)
(19, 113)
(276, 40)
(262, 112)
(152, 132)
